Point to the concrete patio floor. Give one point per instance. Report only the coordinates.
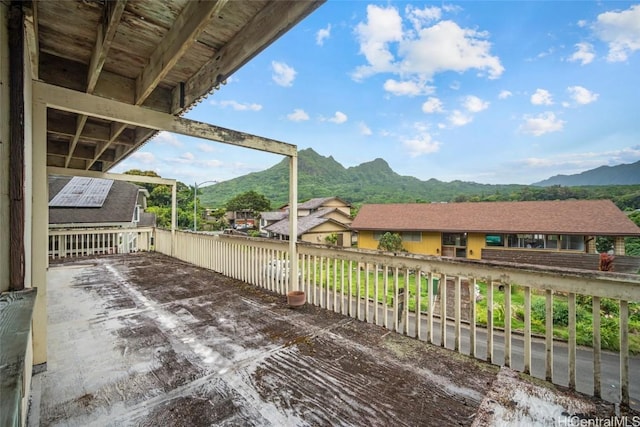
(144, 339)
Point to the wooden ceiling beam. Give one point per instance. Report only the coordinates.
(183, 34)
(106, 109)
(113, 11)
(112, 14)
(256, 35)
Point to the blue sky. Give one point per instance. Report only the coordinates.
(498, 92)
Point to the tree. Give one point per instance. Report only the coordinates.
(250, 200)
(391, 242)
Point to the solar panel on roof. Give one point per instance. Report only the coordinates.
(82, 192)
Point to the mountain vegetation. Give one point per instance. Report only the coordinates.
(626, 174)
(376, 182)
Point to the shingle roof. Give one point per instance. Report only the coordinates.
(273, 216)
(591, 217)
(318, 202)
(118, 206)
(305, 223)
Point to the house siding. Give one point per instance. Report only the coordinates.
(475, 244)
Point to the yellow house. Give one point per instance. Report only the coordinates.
(524, 232)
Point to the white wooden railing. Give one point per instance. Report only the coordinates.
(353, 282)
(67, 243)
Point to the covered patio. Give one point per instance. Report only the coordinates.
(145, 339)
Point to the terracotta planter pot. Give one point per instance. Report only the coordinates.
(296, 298)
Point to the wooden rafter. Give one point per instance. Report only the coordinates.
(106, 32)
(182, 35)
(185, 31)
(265, 27)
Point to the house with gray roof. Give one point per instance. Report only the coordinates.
(320, 220)
(97, 203)
(536, 232)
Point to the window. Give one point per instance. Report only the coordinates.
(529, 241)
(494, 240)
(571, 242)
(454, 239)
(411, 236)
(377, 235)
(136, 214)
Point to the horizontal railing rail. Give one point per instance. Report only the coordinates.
(71, 243)
(499, 312)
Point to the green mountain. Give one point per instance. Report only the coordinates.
(626, 174)
(370, 182)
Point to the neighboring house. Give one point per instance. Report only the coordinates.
(319, 220)
(533, 232)
(97, 203)
(87, 214)
(241, 219)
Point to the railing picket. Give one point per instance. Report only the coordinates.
(336, 309)
(472, 316)
(385, 290)
(571, 301)
(396, 272)
(366, 292)
(405, 304)
(457, 312)
(527, 330)
(624, 353)
(418, 303)
(549, 335)
(443, 310)
(430, 301)
(358, 294)
(507, 324)
(376, 305)
(489, 320)
(350, 299)
(595, 310)
(342, 295)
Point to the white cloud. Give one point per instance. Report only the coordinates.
(621, 31)
(207, 148)
(283, 74)
(186, 157)
(541, 97)
(541, 124)
(458, 118)
(144, 157)
(407, 88)
(237, 105)
(322, 34)
(419, 17)
(504, 94)
(364, 129)
(298, 115)
(584, 53)
(339, 117)
(587, 160)
(432, 105)
(383, 26)
(423, 143)
(168, 138)
(447, 47)
(473, 104)
(421, 51)
(581, 95)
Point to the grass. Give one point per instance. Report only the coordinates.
(609, 328)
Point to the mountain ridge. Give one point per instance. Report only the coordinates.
(376, 182)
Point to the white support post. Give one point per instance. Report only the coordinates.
(173, 218)
(39, 231)
(293, 221)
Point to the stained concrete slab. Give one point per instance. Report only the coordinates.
(144, 339)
